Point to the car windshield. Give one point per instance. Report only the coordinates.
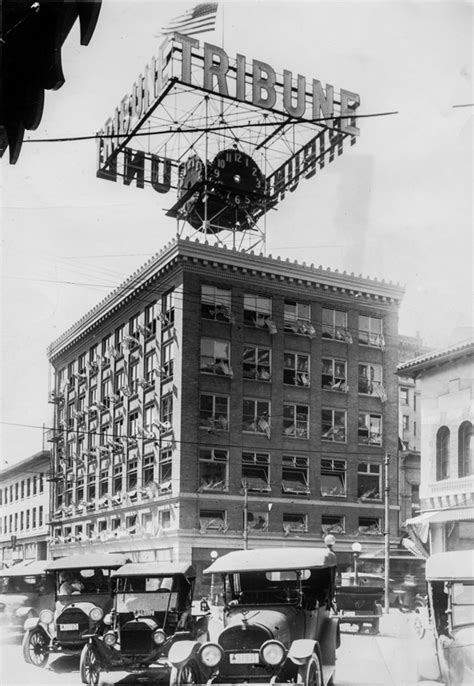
(287, 587)
(82, 581)
(21, 584)
(143, 595)
(462, 604)
(145, 584)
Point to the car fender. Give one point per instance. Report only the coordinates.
(32, 623)
(181, 651)
(24, 610)
(302, 649)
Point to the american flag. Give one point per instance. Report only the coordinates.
(200, 19)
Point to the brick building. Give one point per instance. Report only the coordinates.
(216, 386)
(24, 509)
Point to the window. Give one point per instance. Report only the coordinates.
(370, 526)
(165, 469)
(41, 485)
(334, 375)
(166, 412)
(79, 490)
(133, 376)
(404, 396)
(22, 517)
(150, 319)
(256, 471)
(34, 485)
(212, 519)
(166, 316)
(256, 416)
(91, 486)
(167, 363)
(106, 345)
(133, 326)
(118, 338)
(332, 524)
(370, 429)
(296, 421)
(333, 425)
(149, 367)
(256, 363)
(294, 475)
(148, 469)
(293, 522)
(405, 422)
(214, 412)
(333, 478)
(334, 325)
(104, 481)
(442, 453)
(22, 489)
(258, 312)
(257, 520)
(40, 515)
(369, 481)
(297, 318)
(465, 450)
(28, 489)
(215, 303)
(370, 380)
(132, 474)
(105, 391)
(119, 384)
(148, 415)
(117, 479)
(213, 469)
(296, 369)
(370, 331)
(215, 357)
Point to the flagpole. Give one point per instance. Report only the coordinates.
(222, 19)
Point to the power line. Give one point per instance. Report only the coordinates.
(206, 129)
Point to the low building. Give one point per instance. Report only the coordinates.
(219, 399)
(24, 509)
(446, 521)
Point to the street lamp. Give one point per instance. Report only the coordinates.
(214, 555)
(356, 551)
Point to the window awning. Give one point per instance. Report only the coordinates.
(438, 517)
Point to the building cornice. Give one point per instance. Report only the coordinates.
(180, 252)
(436, 359)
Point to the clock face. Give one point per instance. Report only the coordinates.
(237, 178)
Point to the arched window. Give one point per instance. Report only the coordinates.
(442, 453)
(465, 450)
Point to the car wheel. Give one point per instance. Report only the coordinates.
(310, 673)
(418, 627)
(35, 648)
(89, 666)
(186, 674)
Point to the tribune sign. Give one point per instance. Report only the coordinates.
(203, 78)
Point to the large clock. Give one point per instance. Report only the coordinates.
(229, 194)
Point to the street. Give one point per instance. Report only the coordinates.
(363, 660)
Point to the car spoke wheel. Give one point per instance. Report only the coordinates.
(186, 674)
(35, 648)
(90, 666)
(310, 673)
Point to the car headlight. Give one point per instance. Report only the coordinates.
(96, 614)
(46, 616)
(211, 654)
(110, 638)
(273, 653)
(108, 619)
(159, 637)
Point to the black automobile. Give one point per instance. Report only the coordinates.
(152, 610)
(83, 595)
(279, 621)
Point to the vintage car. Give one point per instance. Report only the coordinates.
(360, 600)
(25, 590)
(83, 596)
(279, 622)
(446, 651)
(152, 610)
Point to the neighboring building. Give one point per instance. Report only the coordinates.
(409, 430)
(24, 509)
(447, 463)
(212, 378)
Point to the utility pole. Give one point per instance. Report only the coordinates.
(246, 515)
(387, 532)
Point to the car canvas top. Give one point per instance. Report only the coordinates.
(155, 569)
(89, 561)
(29, 568)
(456, 564)
(272, 559)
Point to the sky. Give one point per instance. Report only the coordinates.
(398, 205)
